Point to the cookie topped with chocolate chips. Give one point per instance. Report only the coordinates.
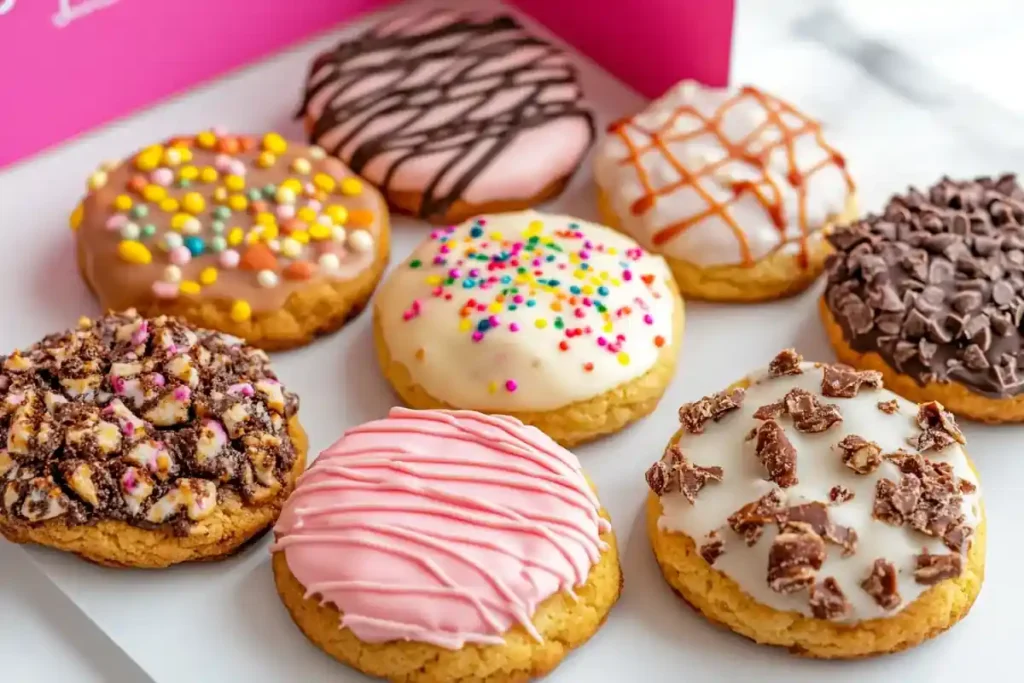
(816, 491)
(934, 286)
(136, 425)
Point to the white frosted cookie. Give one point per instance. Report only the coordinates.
(548, 318)
(732, 186)
(810, 490)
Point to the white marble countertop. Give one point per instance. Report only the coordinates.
(910, 91)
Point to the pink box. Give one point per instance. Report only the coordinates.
(71, 65)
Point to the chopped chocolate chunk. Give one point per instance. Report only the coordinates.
(931, 569)
(840, 494)
(776, 453)
(859, 454)
(680, 475)
(889, 407)
(880, 584)
(795, 557)
(712, 547)
(939, 429)
(816, 516)
(840, 381)
(693, 416)
(808, 414)
(827, 600)
(749, 521)
(786, 363)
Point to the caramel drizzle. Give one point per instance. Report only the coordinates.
(765, 189)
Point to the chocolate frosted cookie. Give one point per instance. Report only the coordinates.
(144, 442)
(451, 114)
(808, 507)
(265, 239)
(931, 294)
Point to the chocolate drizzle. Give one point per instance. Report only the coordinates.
(441, 60)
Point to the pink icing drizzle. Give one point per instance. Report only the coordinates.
(443, 527)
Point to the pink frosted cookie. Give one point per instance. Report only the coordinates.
(434, 541)
(451, 114)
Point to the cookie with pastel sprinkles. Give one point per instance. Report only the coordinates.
(271, 241)
(144, 442)
(567, 325)
(451, 114)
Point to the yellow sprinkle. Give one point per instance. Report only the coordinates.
(206, 139)
(149, 158)
(265, 218)
(238, 202)
(253, 237)
(612, 250)
(154, 193)
(623, 358)
(604, 275)
(497, 236)
(608, 327)
(122, 202)
(324, 182)
(533, 229)
(186, 154)
(293, 185)
(171, 156)
(465, 324)
(306, 214)
(266, 160)
(76, 217)
(169, 205)
(337, 213)
(434, 279)
(208, 174)
(208, 276)
(302, 166)
(97, 180)
(301, 236)
(235, 236)
(178, 221)
(188, 172)
(350, 186)
(290, 247)
(540, 323)
(220, 194)
(492, 387)
(616, 282)
(579, 274)
(587, 289)
(235, 183)
(574, 257)
(272, 142)
(241, 311)
(495, 308)
(134, 252)
(270, 232)
(189, 287)
(319, 231)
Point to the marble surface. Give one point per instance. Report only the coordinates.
(909, 92)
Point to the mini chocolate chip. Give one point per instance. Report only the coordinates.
(974, 358)
(889, 323)
(916, 264)
(936, 244)
(960, 225)
(904, 352)
(966, 301)
(1002, 293)
(985, 245)
(915, 324)
(940, 271)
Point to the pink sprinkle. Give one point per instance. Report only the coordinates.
(434, 235)
(129, 480)
(481, 308)
(475, 272)
(648, 319)
(314, 204)
(229, 258)
(518, 299)
(182, 394)
(117, 221)
(627, 275)
(511, 385)
(482, 221)
(180, 255)
(141, 334)
(222, 162)
(584, 254)
(579, 313)
(285, 211)
(238, 167)
(118, 384)
(165, 290)
(455, 273)
(444, 249)
(438, 260)
(477, 336)
(127, 429)
(601, 341)
(159, 379)
(513, 327)
(493, 320)
(162, 176)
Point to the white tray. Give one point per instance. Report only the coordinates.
(224, 622)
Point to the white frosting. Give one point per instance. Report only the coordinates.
(446, 354)
(692, 122)
(819, 467)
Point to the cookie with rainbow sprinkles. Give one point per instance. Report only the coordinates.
(268, 240)
(568, 326)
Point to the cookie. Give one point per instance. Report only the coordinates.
(734, 187)
(451, 114)
(808, 507)
(267, 240)
(144, 442)
(441, 546)
(563, 324)
(931, 294)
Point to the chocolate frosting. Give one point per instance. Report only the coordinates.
(935, 285)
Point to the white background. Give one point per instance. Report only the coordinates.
(910, 91)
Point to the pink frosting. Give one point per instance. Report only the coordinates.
(443, 527)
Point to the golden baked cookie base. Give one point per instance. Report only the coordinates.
(955, 397)
(775, 276)
(565, 624)
(114, 543)
(569, 425)
(319, 309)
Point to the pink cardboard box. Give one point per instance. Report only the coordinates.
(71, 65)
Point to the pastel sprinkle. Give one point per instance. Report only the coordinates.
(180, 255)
(241, 311)
(189, 287)
(229, 258)
(134, 252)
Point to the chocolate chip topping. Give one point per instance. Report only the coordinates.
(827, 600)
(786, 363)
(859, 454)
(148, 421)
(935, 285)
(776, 453)
(938, 427)
(713, 547)
(881, 585)
(749, 521)
(931, 569)
(840, 494)
(795, 557)
(694, 415)
(680, 475)
(840, 381)
(816, 516)
(808, 414)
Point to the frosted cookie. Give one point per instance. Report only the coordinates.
(264, 239)
(563, 324)
(808, 507)
(451, 114)
(138, 442)
(736, 188)
(931, 294)
(443, 546)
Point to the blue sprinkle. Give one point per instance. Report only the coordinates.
(512, 307)
(574, 289)
(476, 232)
(483, 325)
(195, 245)
(530, 303)
(554, 283)
(468, 283)
(602, 290)
(505, 279)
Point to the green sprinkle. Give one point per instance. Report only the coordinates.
(558, 323)
(140, 211)
(148, 230)
(217, 226)
(415, 263)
